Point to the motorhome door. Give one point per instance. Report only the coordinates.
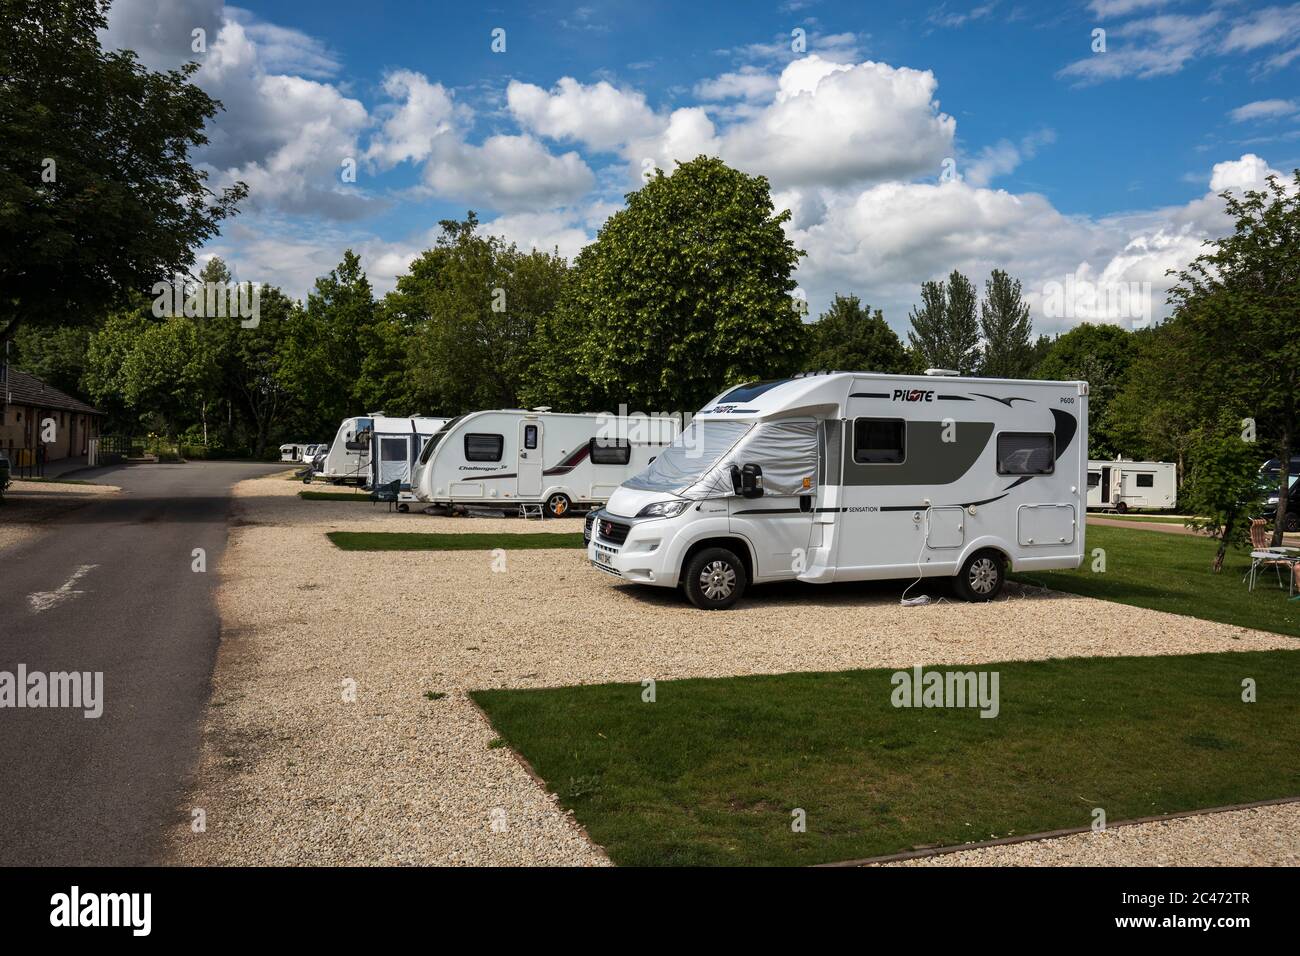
(394, 462)
(779, 524)
(529, 469)
(1105, 486)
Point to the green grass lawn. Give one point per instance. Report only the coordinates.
(420, 541)
(1171, 572)
(334, 496)
(710, 773)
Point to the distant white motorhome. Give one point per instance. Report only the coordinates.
(509, 457)
(400, 440)
(1124, 485)
(851, 476)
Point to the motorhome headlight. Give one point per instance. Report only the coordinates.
(665, 509)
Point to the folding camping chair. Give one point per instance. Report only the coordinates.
(1262, 555)
(387, 492)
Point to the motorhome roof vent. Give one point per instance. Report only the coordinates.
(941, 371)
(542, 408)
(375, 415)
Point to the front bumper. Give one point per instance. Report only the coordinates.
(632, 549)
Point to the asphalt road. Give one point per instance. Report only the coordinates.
(109, 587)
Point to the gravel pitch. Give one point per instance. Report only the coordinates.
(28, 504)
(291, 773)
(1261, 836)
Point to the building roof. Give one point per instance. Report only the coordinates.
(25, 389)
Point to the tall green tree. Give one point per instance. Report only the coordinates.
(685, 291)
(98, 195)
(322, 355)
(474, 303)
(1006, 326)
(1239, 307)
(850, 336)
(1099, 355)
(1223, 486)
(945, 329)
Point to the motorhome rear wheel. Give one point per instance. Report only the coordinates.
(981, 577)
(557, 506)
(715, 579)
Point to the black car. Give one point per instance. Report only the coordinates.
(1269, 489)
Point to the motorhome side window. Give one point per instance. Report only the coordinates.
(1094, 479)
(484, 447)
(609, 454)
(1146, 481)
(1026, 453)
(530, 437)
(879, 441)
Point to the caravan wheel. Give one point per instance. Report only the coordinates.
(557, 506)
(981, 577)
(1122, 507)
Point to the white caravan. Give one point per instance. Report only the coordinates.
(851, 476)
(348, 461)
(510, 457)
(1121, 485)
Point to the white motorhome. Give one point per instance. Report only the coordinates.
(849, 476)
(510, 457)
(296, 452)
(1122, 485)
(400, 440)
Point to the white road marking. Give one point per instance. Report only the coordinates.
(44, 600)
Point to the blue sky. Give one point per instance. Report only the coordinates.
(907, 138)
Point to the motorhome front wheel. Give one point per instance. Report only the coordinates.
(557, 506)
(715, 579)
(982, 576)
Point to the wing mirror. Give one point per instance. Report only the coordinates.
(747, 481)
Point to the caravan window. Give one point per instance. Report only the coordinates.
(484, 447)
(1026, 453)
(392, 449)
(530, 437)
(360, 435)
(1146, 480)
(609, 454)
(1094, 479)
(879, 441)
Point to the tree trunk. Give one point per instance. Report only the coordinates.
(1283, 487)
(1224, 538)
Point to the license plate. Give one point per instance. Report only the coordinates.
(602, 558)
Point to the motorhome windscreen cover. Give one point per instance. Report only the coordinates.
(692, 453)
(787, 453)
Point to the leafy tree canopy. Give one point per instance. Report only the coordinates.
(98, 196)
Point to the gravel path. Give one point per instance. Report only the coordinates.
(1262, 836)
(292, 773)
(28, 504)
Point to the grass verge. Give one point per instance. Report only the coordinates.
(711, 772)
(1171, 572)
(422, 541)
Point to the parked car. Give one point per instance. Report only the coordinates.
(1269, 489)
